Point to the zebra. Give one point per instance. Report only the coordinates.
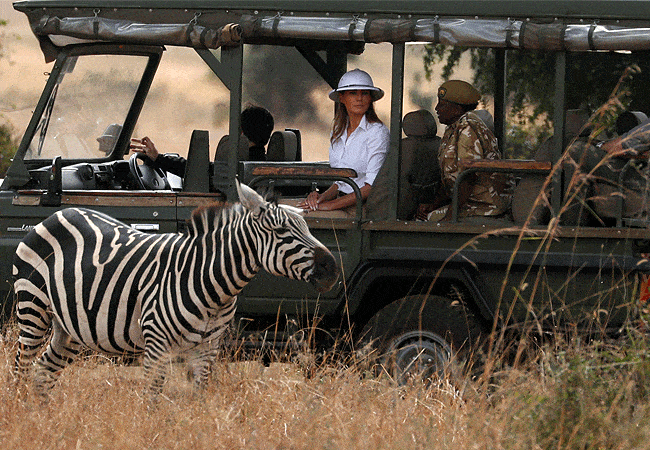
(87, 280)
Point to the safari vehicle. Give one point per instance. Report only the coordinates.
(419, 291)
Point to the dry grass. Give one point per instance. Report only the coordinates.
(568, 394)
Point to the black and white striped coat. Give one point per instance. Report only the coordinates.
(99, 283)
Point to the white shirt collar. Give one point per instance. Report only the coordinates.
(364, 123)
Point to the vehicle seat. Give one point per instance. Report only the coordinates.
(618, 189)
(221, 153)
(529, 186)
(283, 146)
(419, 169)
(526, 191)
(486, 117)
(197, 165)
(628, 120)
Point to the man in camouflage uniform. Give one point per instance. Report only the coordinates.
(466, 137)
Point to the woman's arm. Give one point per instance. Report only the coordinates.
(345, 201)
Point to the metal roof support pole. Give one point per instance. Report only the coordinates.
(558, 128)
(229, 71)
(337, 61)
(337, 64)
(397, 93)
(332, 69)
(500, 80)
(233, 59)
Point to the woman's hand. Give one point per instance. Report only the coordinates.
(312, 201)
(144, 146)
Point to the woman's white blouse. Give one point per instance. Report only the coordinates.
(364, 151)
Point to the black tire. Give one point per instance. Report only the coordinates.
(424, 337)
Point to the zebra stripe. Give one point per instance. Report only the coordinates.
(98, 283)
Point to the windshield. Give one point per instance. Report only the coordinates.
(87, 108)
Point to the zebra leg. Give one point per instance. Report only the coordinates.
(154, 360)
(201, 363)
(34, 320)
(60, 352)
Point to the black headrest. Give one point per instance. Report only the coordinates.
(420, 124)
(486, 117)
(628, 120)
(283, 146)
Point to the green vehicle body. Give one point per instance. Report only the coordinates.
(501, 275)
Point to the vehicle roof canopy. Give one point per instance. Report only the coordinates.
(573, 25)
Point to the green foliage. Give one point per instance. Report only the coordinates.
(592, 391)
(8, 147)
(530, 77)
(523, 140)
(579, 394)
(417, 97)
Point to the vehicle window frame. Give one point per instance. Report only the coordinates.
(154, 53)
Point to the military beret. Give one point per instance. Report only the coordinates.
(458, 91)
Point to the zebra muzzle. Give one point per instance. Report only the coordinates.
(325, 272)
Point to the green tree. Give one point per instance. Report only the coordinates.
(591, 77)
(530, 75)
(8, 147)
(8, 144)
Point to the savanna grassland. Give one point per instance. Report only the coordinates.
(568, 394)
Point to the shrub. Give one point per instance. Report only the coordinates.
(8, 147)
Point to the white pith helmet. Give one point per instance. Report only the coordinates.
(356, 80)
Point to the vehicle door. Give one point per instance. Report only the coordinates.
(72, 153)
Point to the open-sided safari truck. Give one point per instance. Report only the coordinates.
(420, 291)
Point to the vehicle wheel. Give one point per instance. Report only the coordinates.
(422, 337)
(146, 175)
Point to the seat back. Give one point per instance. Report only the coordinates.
(283, 146)
(197, 167)
(486, 117)
(299, 142)
(628, 120)
(529, 187)
(221, 154)
(419, 170)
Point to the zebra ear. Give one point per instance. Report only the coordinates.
(250, 199)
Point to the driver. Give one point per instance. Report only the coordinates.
(256, 124)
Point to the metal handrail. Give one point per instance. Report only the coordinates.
(312, 178)
(471, 170)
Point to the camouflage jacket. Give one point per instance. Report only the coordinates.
(470, 138)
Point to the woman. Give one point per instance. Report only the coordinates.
(359, 141)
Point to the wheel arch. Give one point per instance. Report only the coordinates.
(378, 284)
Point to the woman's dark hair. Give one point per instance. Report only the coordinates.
(340, 122)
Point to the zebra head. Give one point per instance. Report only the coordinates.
(287, 247)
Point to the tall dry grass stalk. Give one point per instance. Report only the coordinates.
(569, 395)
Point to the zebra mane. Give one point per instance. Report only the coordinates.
(210, 215)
